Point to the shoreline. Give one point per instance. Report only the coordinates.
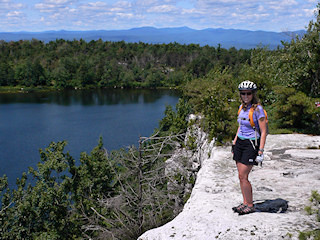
(21, 89)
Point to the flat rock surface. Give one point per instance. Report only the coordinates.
(289, 173)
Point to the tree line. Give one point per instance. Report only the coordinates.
(79, 64)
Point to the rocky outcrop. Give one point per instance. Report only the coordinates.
(182, 168)
(281, 189)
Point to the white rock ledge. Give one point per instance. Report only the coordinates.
(290, 172)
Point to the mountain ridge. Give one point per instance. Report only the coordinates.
(226, 38)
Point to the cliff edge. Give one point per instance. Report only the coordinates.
(288, 175)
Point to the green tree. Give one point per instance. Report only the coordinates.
(92, 179)
(63, 63)
(175, 121)
(142, 200)
(263, 70)
(61, 77)
(214, 98)
(302, 59)
(154, 78)
(43, 210)
(30, 74)
(295, 110)
(6, 73)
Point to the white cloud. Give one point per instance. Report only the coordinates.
(250, 14)
(162, 9)
(44, 7)
(287, 2)
(309, 12)
(125, 15)
(64, 1)
(94, 5)
(190, 11)
(14, 14)
(54, 5)
(146, 3)
(9, 5)
(79, 23)
(122, 14)
(113, 9)
(60, 2)
(123, 4)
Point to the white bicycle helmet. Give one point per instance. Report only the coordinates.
(247, 85)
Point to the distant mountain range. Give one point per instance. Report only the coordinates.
(225, 37)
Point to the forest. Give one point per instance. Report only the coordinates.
(121, 194)
(96, 64)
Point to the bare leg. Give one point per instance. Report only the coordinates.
(245, 185)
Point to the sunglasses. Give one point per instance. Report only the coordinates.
(246, 93)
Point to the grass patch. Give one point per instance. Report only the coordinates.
(281, 131)
(21, 89)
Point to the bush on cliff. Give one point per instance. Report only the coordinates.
(213, 98)
(313, 209)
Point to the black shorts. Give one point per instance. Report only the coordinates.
(245, 151)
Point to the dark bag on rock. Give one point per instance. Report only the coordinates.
(272, 206)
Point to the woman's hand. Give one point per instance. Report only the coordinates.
(259, 158)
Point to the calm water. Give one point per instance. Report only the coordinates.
(31, 121)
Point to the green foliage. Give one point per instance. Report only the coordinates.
(93, 178)
(301, 59)
(262, 70)
(275, 130)
(315, 201)
(140, 199)
(191, 143)
(6, 73)
(80, 64)
(213, 97)
(43, 209)
(53, 206)
(30, 73)
(175, 121)
(294, 65)
(295, 110)
(313, 209)
(121, 194)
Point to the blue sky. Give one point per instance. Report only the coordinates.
(43, 15)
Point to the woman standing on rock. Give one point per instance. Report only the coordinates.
(248, 144)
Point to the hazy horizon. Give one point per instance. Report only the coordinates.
(60, 30)
(94, 15)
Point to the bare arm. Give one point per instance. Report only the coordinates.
(263, 130)
(235, 138)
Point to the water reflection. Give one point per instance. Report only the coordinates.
(88, 97)
(31, 121)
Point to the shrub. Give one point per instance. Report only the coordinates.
(314, 209)
(213, 97)
(295, 110)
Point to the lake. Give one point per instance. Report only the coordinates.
(30, 121)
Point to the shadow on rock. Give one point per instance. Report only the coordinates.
(272, 206)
